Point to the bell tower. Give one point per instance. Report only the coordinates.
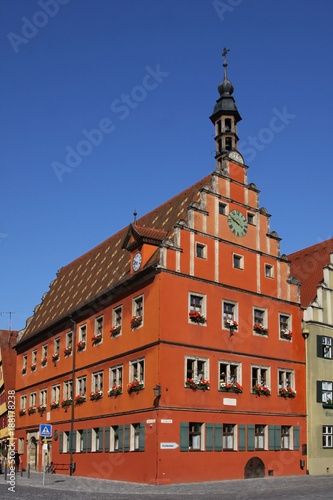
(225, 117)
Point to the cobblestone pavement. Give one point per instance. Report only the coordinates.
(63, 487)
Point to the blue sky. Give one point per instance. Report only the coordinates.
(145, 74)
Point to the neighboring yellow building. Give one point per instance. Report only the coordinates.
(313, 267)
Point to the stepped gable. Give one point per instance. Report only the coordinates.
(106, 265)
(307, 266)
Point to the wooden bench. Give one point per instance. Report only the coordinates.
(55, 467)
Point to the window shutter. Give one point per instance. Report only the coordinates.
(107, 439)
(296, 437)
(250, 437)
(184, 430)
(127, 438)
(84, 440)
(61, 441)
(72, 441)
(209, 437)
(100, 439)
(89, 432)
(319, 346)
(218, 437)
(274, 434)
(120, 438)
(319, 391)
(142, 436)
(277, 433)
(241, 437)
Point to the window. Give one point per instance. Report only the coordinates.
(229, 373)
(229, 314)
(69, 339)
(324, 391)
(83, 333)
(114, 438)
(286, 379)
(286, 437)
(260, 321)
(116, 376)
(32, 399)
(44, 354)
(98, 330)
(55, 393)
(327, 436)
(269, 271)
(24, 363)
(196, 369)
(327, 347)
(68, 389)
(250, 218)
(201, 251)
(43, 397)
(260, 438)
(65, 442)
(137, 370)
(285, 326)
(137, 306)
(81, 386)
(80, 441)
(135, 437)
(228, 437)
(196, 436)
(260, 377)
(238, 261)
(117, 316)
(57, 345)
(222, 208)
(23, 402)
(97, 381)
(95, 439)
(33, 359)
(197, 308)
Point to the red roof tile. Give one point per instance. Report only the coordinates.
(103, 267)
(307, 266)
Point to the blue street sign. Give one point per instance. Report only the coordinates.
(45, 430)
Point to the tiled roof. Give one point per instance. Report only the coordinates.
(103, 267)
(307, 266)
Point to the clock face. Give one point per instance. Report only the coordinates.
(136, 263)
(237, 223)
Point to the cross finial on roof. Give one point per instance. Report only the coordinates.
(224, 55)
(135, 214)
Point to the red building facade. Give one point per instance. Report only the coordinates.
(173, 352)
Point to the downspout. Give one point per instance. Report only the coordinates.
(71, 465)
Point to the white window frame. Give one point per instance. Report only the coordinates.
(197, 302)
(196, 436)
(57, 345)
(117, 319)
(287, 439)
(65, 442)
(198, 372)
(327, 347)
(200, 248)
(138, 308)
(83, 334)
(116, 375)
(263, 320)
(114, 438)
(286, 378)
(287, 323)
(327, 437)
(98, 328)
(135, 437)
(43, 397)
(55, 393)
(97, 381)
(79, 441)
(69, 339)
(95, 439)
(229, 377)
(260, 380)
(251, 218)
(228, 315)
(326, 390)
(269, 271)
(68, 389)
(229, 441)
(261, 437)
(137, 370)
(239, 260)
(81, 385)
(23, 402)
(34, 357)
(32, 399)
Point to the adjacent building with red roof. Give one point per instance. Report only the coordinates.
(172, 351)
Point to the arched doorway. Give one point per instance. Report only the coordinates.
(32, 452)
(255, 467)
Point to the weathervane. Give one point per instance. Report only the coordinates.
(224, 55)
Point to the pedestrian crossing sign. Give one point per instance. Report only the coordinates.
(45, 430)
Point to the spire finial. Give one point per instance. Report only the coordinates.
(135, 214)
(224, 55)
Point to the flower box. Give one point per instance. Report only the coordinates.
(261, 390)
(196, 317)
(54, 405)
(197, 384)
(232, 387)
(33, 367)
(81, 398)
(328, 406)
(287, 392)
(136, 321)
(286, 334)
(260, 329)
(230, 323)
(96, 338)
(115, 330)
(67, 402)
(44, 361)
(22, 412)
(67, 350)
(55, 357)
(81, 345)
(135, 386)
(96, 395)
(115, 390)
(41, 408)
(31, 410)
